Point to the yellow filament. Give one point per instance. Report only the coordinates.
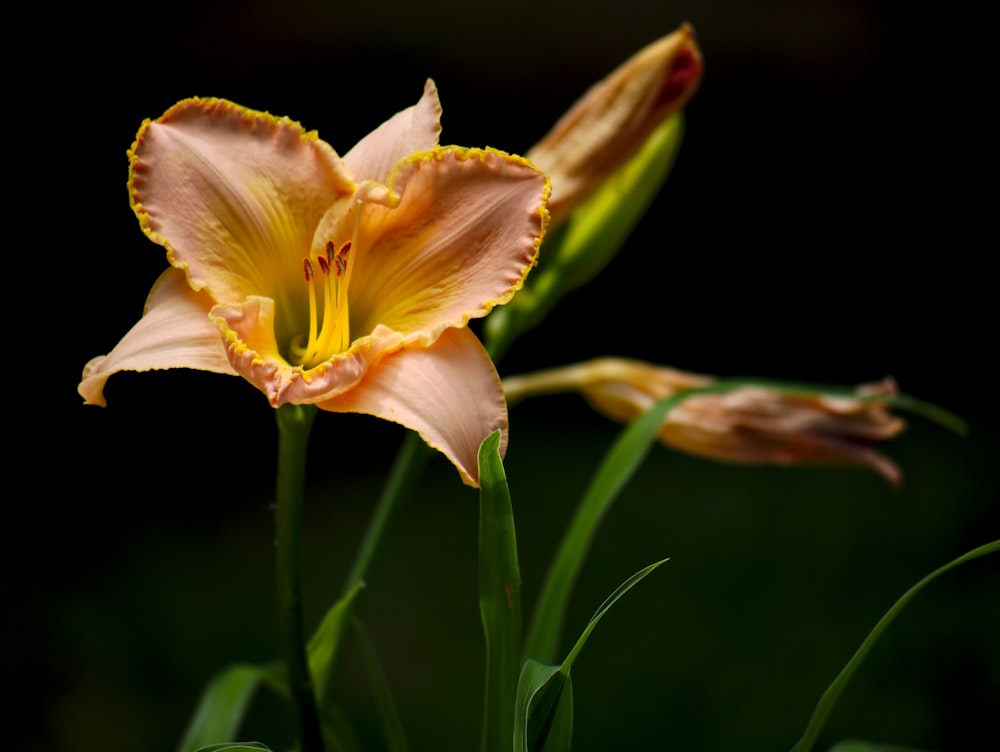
(340, 316)
(334, 333)
(299, 352)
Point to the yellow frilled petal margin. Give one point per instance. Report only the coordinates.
(275, 243)
(462, 238)
(233, 194)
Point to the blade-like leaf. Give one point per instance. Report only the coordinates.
(392, 727)
(538, 691)
(234, 747)
(543, 715)
(559, 737)
(615, 471)
(630, 583)
(499, 597)
(325, 647)
(825, 705)
(854, 745)
(222, 706)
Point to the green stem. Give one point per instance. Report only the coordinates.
(405, 472)
(294, 424)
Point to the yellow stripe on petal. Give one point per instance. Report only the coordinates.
(461, 239)
(234, 195)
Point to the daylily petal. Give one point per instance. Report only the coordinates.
(174, 332)
(461, 240)
(416, 128)
(233, 194)
(449, 393)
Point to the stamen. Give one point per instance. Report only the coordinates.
(299, 352)
(341, 259)
(334, 332)
(345, 249)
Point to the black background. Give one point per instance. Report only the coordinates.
(830, 218)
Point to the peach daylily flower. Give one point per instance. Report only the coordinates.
(347, 283)
(748, 424)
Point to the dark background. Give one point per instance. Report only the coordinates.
(830, 218)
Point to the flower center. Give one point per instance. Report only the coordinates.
(327, 276)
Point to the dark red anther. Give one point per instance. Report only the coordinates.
(307, 268)
(324, 265)
(329, 251)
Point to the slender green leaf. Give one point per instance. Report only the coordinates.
(833, 692)
(854, 745)
(392, 726)
(234, 747)
(499, 597)
(399, 485)
(325, 646)
(932, 412)
(338, 733)
(630, 583)
(559, 736)
(538, 691)
(543, 714)
(222, 706)
(615, 471)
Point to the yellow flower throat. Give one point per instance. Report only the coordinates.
(332, 335)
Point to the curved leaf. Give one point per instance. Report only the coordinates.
(325, 646)
(825, 705)
(222, 707)
(615, 471)
(392, 726)
(855, 745)
(499, 596)
(543, 714)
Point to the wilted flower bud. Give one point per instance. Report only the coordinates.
(606, 127)
(747, 424)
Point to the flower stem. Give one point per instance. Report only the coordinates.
(406, 470)
(294, 424)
